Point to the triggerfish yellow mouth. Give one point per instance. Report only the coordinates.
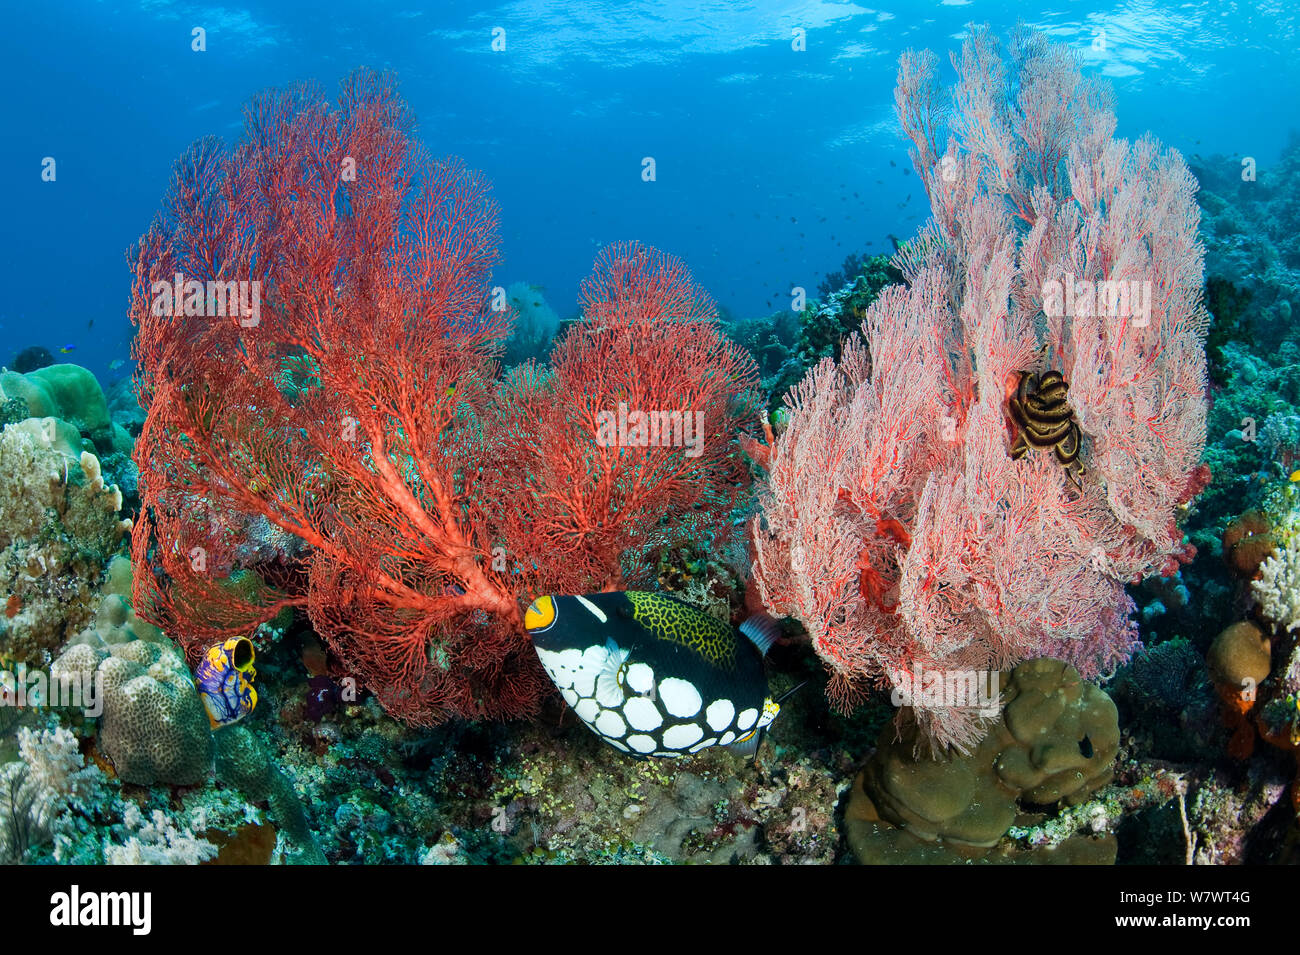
(540, 615)
(225, 680)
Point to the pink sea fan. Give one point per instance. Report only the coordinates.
(896, 524)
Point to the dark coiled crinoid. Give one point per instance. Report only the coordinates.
(1044, 419)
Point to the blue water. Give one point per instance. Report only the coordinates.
(772, 164)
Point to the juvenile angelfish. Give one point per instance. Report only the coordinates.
(225, 680)
(653, 676)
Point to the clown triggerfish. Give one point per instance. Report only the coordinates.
(225, 681)
(653, 676)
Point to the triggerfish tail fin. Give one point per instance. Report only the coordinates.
(762, 630)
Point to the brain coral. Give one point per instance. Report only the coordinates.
(1055, 742)
(153, 727)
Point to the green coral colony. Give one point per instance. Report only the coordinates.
(137, 729)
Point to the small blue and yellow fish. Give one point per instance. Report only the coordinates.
(653, 676)
(225, 679)
(67, 349)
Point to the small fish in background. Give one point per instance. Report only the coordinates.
(67, 349)
(90, 324)
(225, 679)
(115, 364)
(653, 676)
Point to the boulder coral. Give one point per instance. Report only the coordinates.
(1056, 742)
(72, 394)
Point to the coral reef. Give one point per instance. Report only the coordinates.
(71, 394)
(964, 480)
(156, 840)
(59, 527)
(1249, 230)
(44, 791)
(154, 728)
(785, 349)
(1165, 693)
(1278, 586)
(535, 326)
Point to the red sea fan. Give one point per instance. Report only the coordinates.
(629, 440)
(316, 351)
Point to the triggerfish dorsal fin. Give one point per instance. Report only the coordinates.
(762, 631)
(609, 692)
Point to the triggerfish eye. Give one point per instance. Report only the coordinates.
(540, 616)
(225, 680)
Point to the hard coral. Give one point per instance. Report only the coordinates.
(154, 728)
(1277, 587)
(59, 528)
(1247, 542)
(1055, 743)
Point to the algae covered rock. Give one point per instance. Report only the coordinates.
(1055, 743)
